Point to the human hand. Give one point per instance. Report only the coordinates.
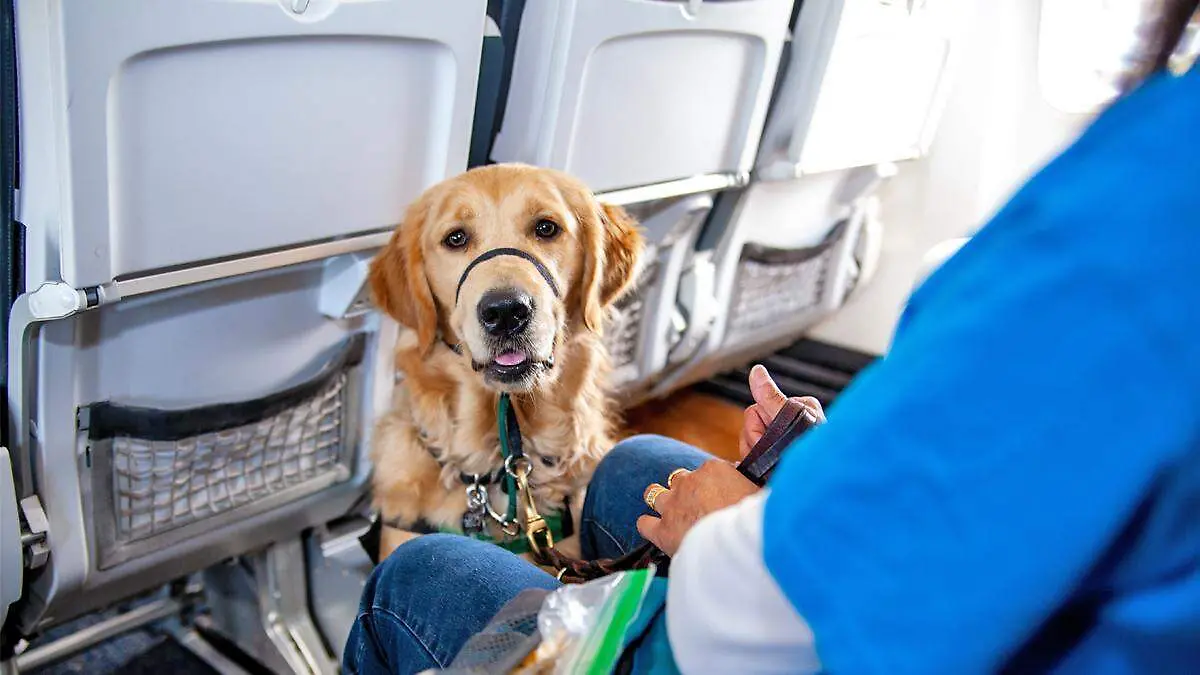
(712, 487)
(768, 401)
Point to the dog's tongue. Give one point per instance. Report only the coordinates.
(513, 358)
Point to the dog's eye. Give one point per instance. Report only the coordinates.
(546, 229)
(456, 239)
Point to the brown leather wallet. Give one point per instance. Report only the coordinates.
(793, 420)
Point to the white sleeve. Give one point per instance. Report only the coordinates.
(725, 613)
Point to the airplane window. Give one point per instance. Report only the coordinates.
(1086, 47)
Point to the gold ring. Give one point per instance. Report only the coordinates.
(674, 474)
(651, 495)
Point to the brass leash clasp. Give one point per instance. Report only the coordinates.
(537, 531)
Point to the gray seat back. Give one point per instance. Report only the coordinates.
(193, 375)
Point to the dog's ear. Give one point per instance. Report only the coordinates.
(398, 282)
(617, 245)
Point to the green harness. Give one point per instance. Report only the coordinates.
(513, 454)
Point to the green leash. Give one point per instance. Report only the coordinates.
(511, 451)
(505, 418)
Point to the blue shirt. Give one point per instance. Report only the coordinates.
(1016, 486)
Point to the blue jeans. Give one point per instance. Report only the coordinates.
(434, 592)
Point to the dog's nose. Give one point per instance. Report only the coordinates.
(505, 312)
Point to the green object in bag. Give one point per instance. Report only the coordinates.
(630, 619)
(647, 649)
(616, 625)
(606, 641)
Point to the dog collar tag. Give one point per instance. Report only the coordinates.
(474, 520)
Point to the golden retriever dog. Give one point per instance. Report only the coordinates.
(502, 277)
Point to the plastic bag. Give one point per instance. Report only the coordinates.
(583, 627)
(576, 629)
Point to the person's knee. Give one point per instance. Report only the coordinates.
(420, 550)
(416, 553)
(421, 568)
(623, 455)
(638, 450)
(614, 496)
(414, 560)
(641, 444)
(422, 603)
(627, 449)
(646, 454)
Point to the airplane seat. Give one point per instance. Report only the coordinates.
(194, 370)
(631, 93)
(645, 326)
(657, 105)
(861, 89)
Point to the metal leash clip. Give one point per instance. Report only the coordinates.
(508, 527)
(537, 531)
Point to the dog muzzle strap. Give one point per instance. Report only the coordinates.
(515, 252)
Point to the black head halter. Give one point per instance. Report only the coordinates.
(515, 252)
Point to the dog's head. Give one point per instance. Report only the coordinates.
(506, 261)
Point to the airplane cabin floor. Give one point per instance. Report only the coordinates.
(710, 423)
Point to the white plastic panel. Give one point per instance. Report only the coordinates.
(865, 84)
(225, 341)
(197, 129)
(194, 347)
(625, 93)
(249, 153)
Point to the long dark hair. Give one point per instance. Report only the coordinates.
(1158, 36)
